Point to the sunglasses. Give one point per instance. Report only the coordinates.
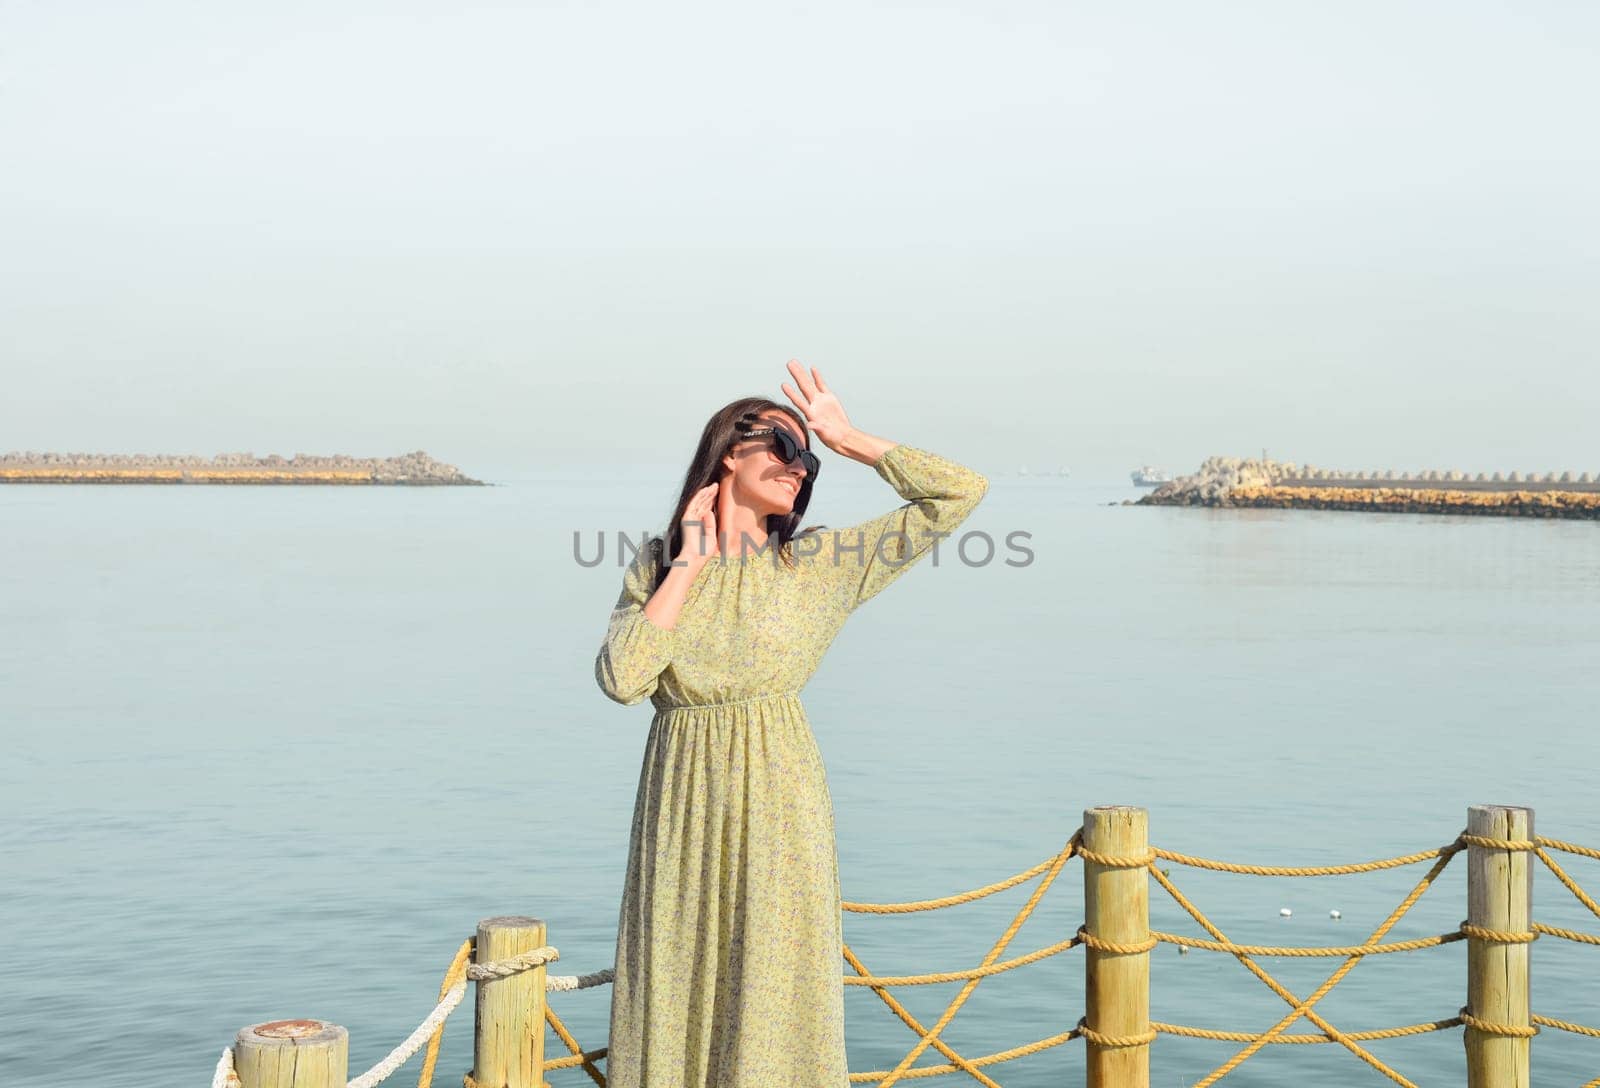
(787, 448)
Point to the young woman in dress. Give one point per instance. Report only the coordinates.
(729, 971)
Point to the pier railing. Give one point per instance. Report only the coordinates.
(509, 956)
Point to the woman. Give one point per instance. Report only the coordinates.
(729, 970)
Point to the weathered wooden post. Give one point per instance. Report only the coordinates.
(1116, 903)
(292, 1054)
(508, 1045)
(1499, 902)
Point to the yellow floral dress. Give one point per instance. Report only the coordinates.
(729, 969)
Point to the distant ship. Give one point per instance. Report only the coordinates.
(1149, 476)
(1063, 471)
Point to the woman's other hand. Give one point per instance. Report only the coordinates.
(699, 526)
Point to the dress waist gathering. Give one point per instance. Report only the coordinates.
(770, 697)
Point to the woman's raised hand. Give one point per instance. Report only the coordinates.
(824, 414)
(699, 526)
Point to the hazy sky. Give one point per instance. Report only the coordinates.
(1358, 234)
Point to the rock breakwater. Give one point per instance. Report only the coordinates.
(1258, 482)
(414, 469)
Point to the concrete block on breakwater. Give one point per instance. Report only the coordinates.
(1259, 482)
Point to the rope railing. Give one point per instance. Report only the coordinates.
(1305, 1008)
(1131, 1041)
(1295, 950)
(1305, 1038)
(1300, 870)
(962, 897)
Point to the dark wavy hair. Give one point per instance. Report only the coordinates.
(720, 433)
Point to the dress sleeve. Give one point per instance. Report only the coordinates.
(636, 651)
(941, 494)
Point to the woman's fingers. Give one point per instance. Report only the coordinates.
(799, 402)
(700, 520)
(802, 379)
(816, 378)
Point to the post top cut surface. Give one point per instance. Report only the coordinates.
(289, 1029)
(276, 1033)
(511, 921)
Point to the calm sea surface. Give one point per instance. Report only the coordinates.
(273, 753)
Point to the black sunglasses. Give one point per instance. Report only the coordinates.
(787, 448)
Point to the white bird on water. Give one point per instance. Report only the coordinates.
(1285, 912)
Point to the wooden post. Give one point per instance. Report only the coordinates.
(1499, 897)
(508, 1047)
(1116, 904)
(292, 1054)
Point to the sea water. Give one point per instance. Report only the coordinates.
(272, 752)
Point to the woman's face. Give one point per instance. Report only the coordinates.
(759, 479)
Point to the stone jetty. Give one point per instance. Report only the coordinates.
(1258, 482)
(415, 469)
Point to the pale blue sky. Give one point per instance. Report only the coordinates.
(1359, 234)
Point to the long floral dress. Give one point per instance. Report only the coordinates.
(729, 971)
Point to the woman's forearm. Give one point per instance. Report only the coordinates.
(666, 603)
(860, 446)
